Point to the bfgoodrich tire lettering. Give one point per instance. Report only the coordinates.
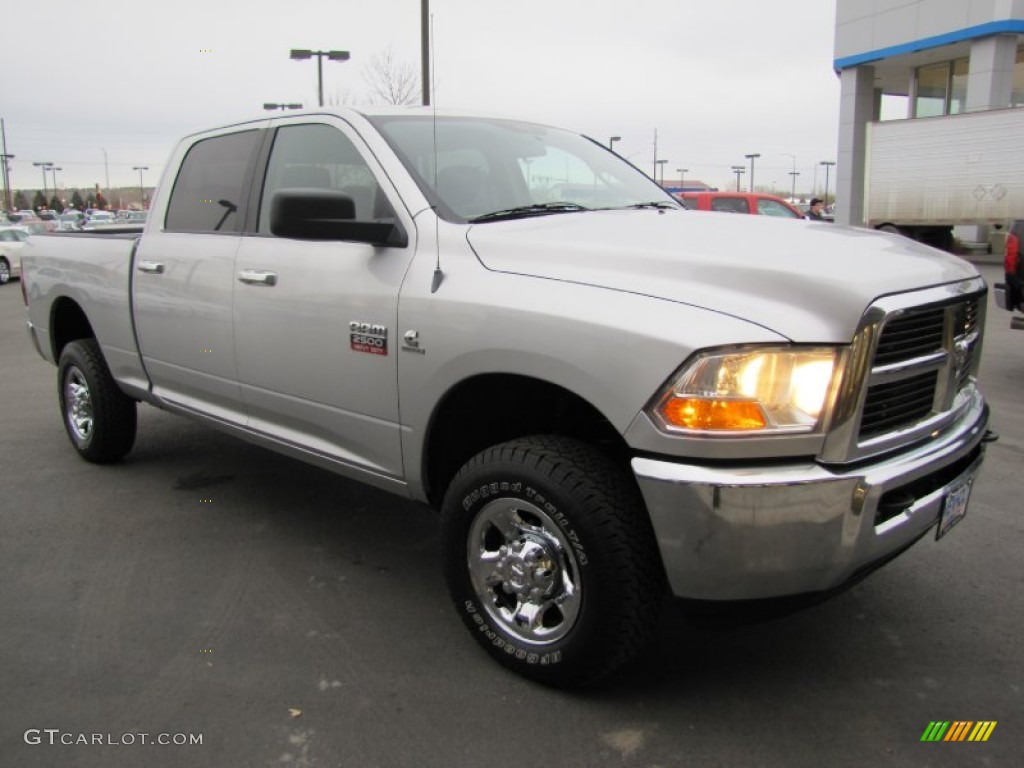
(99, 418)
(550, 559)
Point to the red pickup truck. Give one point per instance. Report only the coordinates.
(740, 202)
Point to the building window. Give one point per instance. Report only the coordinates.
(941, 89)
(1017, 99)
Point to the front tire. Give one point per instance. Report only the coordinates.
(5, 271)
(551, 560)
(99, 418)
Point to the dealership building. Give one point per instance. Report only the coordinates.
(916, 59)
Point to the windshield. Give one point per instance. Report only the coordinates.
(479, 167)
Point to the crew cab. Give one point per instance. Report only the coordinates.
(606, 399)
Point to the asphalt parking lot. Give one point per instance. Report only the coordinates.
(288, 617)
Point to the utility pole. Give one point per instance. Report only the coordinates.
(425, 50)
(4, 157)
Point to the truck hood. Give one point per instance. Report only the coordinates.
(807, 281)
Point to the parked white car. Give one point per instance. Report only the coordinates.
(12, 241)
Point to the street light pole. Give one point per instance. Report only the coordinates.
(794, 174)
(828, 164)
(106, 169)
(272, 106)
(611, 142)
(682, 177)
(751, 158)
(662, 164)
(142, 192)
(739, 170)
(45, 167)
(304, 53)
(54, 170)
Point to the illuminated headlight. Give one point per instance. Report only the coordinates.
(758, 390)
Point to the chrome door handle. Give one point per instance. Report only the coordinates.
(150, 267)
(257, 277)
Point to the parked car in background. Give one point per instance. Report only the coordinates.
(37, 227)
(740, 202)
(97, 219)
(70, 221)
(12, 241)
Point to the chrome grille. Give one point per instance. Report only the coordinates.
(910, 370)
(893, 405)
(911, 335)
(914, 346)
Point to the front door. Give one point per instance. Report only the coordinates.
(316, 322)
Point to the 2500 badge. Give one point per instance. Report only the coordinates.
(367, 337)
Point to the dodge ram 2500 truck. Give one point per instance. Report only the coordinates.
(607, 399)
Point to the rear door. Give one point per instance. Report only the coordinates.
(184, 278)
(316, 321)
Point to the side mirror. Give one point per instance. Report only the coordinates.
(325, 214)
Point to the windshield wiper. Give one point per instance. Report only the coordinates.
(661, 205)
(535, 209)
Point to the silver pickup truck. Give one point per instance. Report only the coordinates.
(609, 398)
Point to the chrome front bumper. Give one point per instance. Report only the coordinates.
(744, 532)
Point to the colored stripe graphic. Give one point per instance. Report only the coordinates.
(958, 730)
(935, 731)
(982, 730)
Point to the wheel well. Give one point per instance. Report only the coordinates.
(67, 323)
(493, 408)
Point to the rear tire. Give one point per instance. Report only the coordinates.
(99, 418)
(551, 560)
(5, 271)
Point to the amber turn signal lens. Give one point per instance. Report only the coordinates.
(700, 413)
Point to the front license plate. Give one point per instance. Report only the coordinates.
(954, 507)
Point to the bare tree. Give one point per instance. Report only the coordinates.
(391, 80)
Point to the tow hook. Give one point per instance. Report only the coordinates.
(990, 436)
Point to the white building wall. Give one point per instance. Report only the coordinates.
(873, 33)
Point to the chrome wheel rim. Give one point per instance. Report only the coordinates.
(524, 572)
(78, 404)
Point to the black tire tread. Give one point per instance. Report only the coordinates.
(114, 413)
(621, 531)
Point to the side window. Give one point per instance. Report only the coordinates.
(775, 208)
(318, 156)
(730, 204)
(210, 186)
(689, 203)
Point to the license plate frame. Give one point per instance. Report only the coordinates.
(954, 504)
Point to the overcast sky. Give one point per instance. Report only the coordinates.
(718, 79)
